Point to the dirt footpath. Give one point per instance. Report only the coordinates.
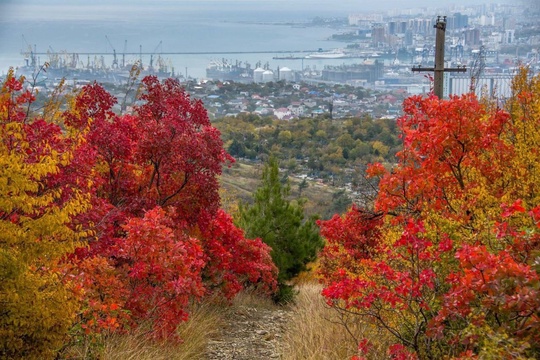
(250, 333)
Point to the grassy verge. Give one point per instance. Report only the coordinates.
(206, 320)
(203, 324)
(318, 332)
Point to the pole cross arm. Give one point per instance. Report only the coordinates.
(458, 69)
(439, 69)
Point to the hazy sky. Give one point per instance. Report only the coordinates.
(13, 8)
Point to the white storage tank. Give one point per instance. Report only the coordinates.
(268, 76)
(258, 75)
(286, 74)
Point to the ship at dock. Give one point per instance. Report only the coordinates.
(225, 70)
(332, 54)
(75, 69)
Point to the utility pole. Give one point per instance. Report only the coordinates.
(439, 70)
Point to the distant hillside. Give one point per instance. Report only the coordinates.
(330, 154)
(240, 181)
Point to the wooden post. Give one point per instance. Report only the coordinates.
(439, 70)
(438, 79)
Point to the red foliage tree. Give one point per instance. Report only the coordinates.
(116, 218)
(234, 261)
(180, 151)
(350, 239)
(159, 231)
(444, 265)
(161, 269)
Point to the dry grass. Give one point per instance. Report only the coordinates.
(241, 180)
(315, 332)
(250, 298)
(318, 332)
(203, 324)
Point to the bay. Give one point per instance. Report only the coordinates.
(204, 26)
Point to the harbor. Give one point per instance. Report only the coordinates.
(376, 52)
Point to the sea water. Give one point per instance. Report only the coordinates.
(167, 26)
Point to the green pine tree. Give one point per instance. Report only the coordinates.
(281, 224)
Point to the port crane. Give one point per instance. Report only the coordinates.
(115, 60)
(154, 52)
(29, 53)
(124, 54)
(54, 58)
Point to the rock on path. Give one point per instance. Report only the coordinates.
(250, 334)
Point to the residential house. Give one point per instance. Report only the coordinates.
(282, 113)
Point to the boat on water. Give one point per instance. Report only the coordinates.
(332, 54)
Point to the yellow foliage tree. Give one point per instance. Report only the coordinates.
(37, 303)
(524, 109)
